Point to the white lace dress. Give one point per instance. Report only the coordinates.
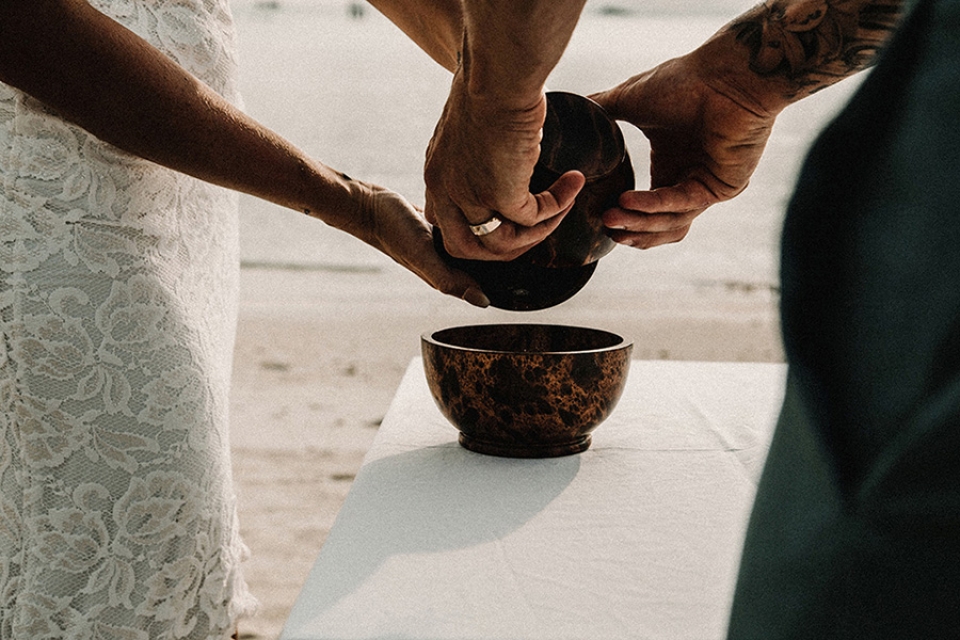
(118, 285)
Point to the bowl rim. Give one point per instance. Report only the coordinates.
(615, 127)
(622, 342)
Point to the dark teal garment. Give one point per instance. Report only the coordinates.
(855, 531)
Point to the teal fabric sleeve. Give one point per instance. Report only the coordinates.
(855, 531)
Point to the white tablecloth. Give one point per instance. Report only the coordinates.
(638, 537)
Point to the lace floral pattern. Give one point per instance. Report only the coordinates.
(118, 284)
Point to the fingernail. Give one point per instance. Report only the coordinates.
(476, 297)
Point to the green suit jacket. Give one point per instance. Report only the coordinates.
(855, 531)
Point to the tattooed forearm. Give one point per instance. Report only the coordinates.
(814, 43)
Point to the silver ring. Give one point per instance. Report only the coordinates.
(485, 228)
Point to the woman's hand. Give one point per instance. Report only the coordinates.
(705, 143)
(386, 221)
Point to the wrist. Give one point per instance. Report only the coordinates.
(489, 84)
(493, 112)
(726, 67)
(330, 196)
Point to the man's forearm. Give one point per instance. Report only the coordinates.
(510, 47)
(784, 50)
(435, 25)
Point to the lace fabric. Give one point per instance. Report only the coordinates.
(118, 294)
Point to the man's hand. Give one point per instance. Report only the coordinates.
(478, 167)
(486, 143)
(708, 114)
(704, 146)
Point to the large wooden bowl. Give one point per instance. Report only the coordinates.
(577, 134)
(525, 390)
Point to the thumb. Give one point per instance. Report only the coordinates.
(560, 196)
(608, 100)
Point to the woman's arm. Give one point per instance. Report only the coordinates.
(106, 79)
(99, 75)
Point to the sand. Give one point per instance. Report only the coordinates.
(320, 353)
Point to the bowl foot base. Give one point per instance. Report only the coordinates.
(506, 450)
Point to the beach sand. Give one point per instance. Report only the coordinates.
(320, 353)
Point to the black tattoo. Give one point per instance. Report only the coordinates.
(813, 43)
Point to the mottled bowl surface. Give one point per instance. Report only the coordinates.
(520, 285)
(525, 390)
(577, 134)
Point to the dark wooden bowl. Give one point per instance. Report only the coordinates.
(525, 390)
(577, 134)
